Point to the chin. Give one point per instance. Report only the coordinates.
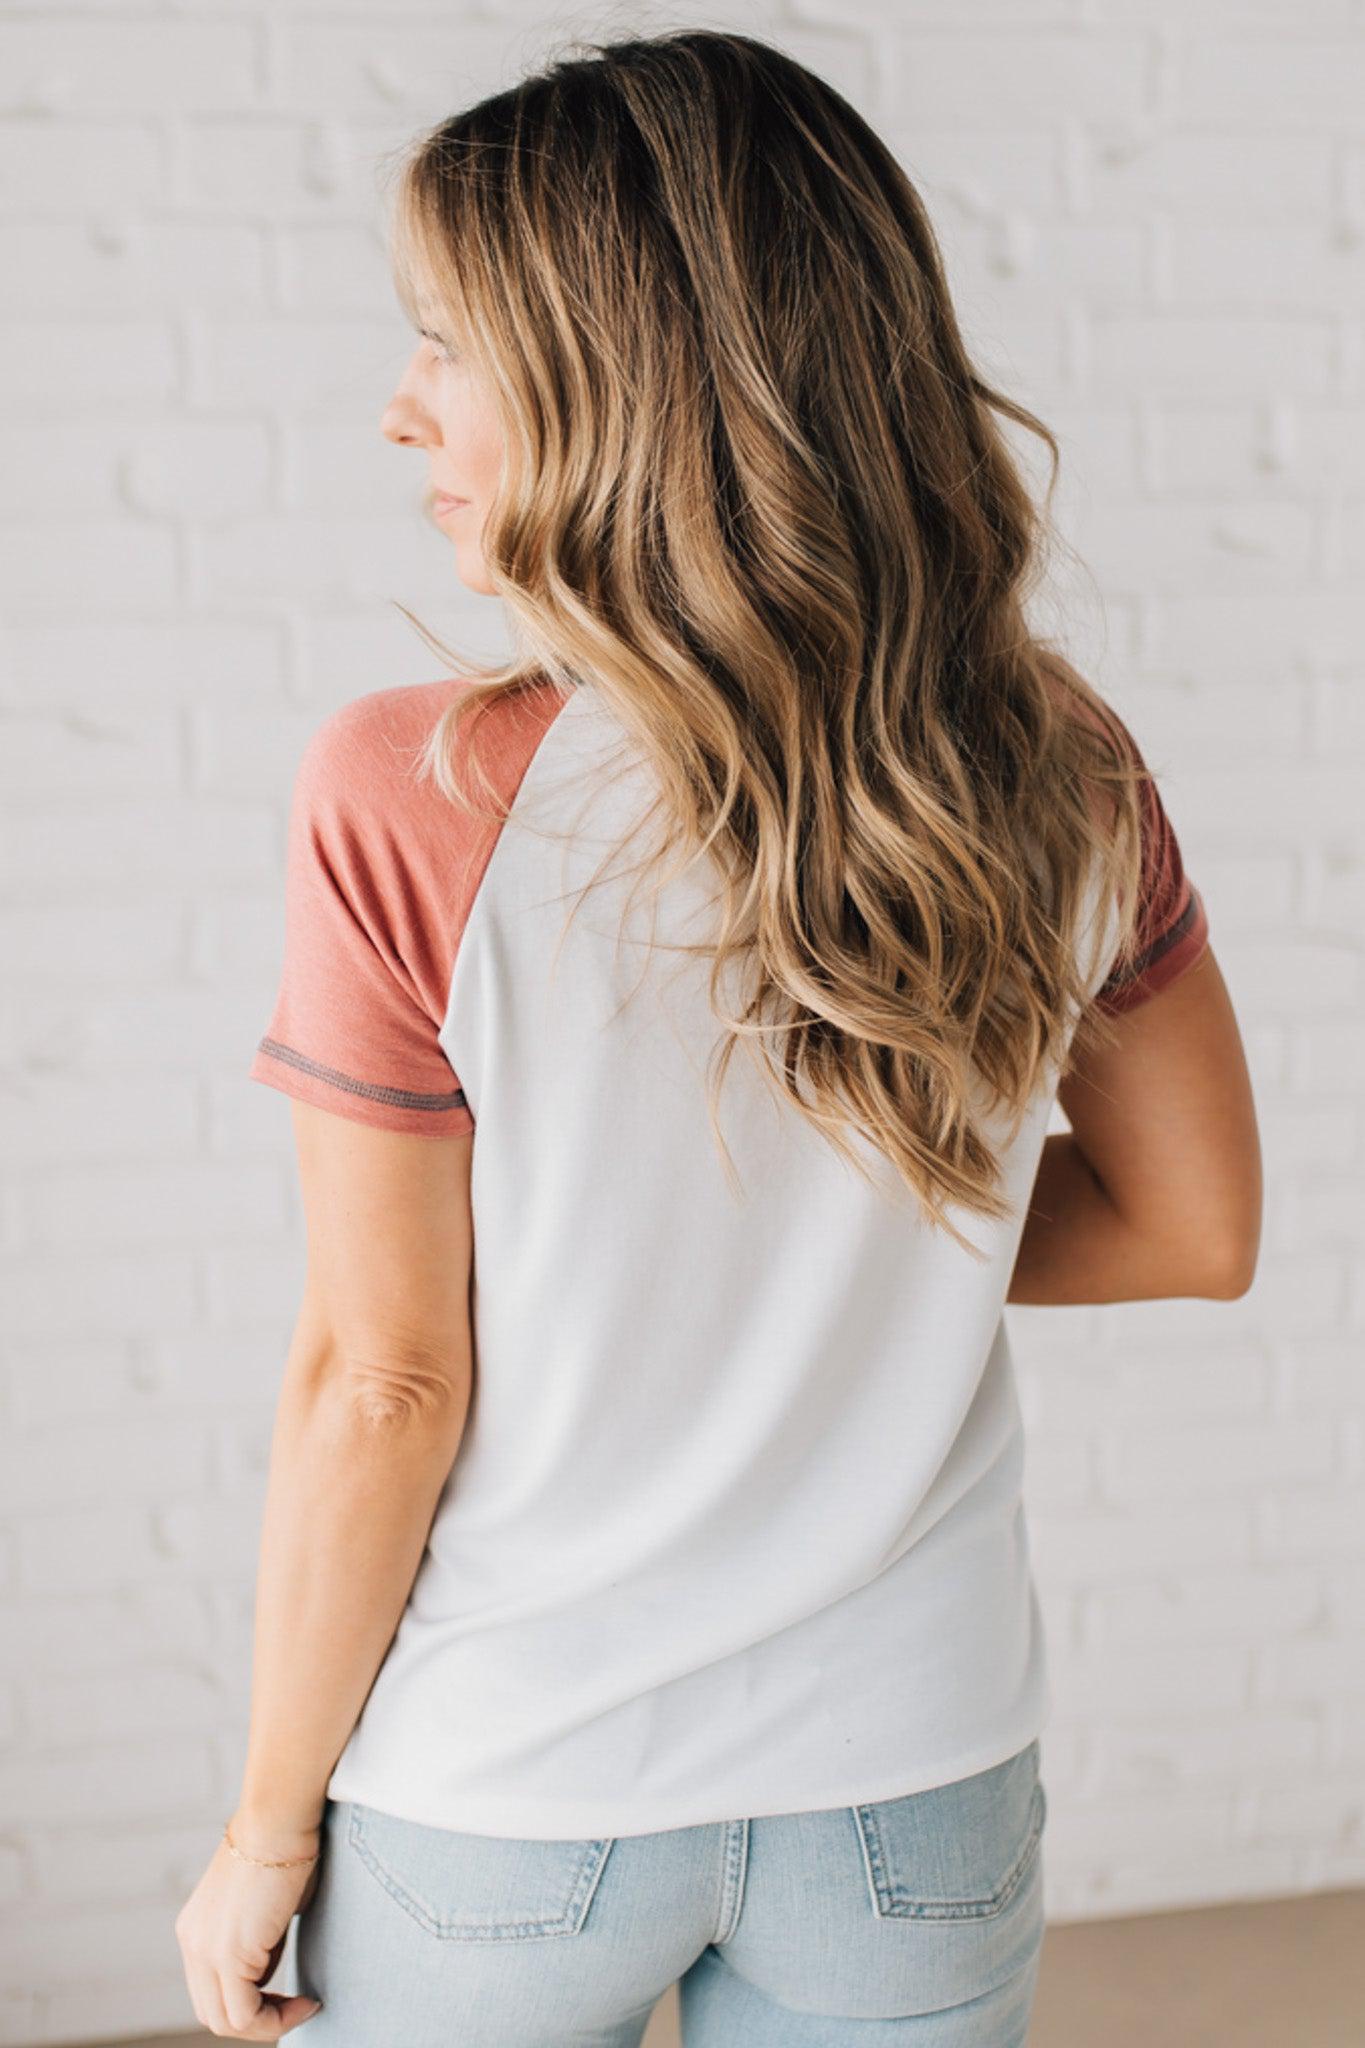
(476, 580)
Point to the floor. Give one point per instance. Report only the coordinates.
(1280, 1973)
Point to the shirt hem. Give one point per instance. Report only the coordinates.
(543, 1820)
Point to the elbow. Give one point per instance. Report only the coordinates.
(1235, 1275)
(403, 1395)
(1241, 1242)
(374, 1406)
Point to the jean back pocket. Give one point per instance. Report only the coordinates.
(463, 1887)
(959, 1851)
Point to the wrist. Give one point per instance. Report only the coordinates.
(272, 1837)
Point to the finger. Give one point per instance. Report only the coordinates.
(297, 2008)
(206, 1997)
(253, 2017)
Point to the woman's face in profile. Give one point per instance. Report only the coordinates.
(443, 406)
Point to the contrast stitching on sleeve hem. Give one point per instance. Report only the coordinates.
(401, 1098)
(1158, 949)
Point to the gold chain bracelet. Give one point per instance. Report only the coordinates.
(285, 1863)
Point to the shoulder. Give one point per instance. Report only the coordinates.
(1078, 703)
(365, 754)
(368, 748)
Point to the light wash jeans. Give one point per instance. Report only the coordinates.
(916, 1920)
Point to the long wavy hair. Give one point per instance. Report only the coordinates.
(756, 491)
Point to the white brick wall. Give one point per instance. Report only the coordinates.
(1154, 216)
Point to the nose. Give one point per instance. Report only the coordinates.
(403, 422)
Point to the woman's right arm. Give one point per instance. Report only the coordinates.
(1156, 1189)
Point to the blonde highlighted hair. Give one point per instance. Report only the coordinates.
(756, 491)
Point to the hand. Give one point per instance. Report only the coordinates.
(232, 1930)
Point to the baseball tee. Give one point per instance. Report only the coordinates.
(735, 1527)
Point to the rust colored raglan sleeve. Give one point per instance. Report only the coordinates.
(372, 913)
(1173, 927)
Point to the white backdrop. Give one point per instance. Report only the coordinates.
(1154, 216)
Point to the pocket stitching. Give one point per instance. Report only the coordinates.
(890, 1902)
(592, 1862)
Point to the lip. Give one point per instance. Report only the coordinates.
(443, 502)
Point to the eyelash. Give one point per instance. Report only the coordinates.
(437, 344)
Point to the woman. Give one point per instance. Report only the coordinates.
(649, 1600)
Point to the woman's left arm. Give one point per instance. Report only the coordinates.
(371, 1414)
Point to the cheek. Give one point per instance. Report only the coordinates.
(470, 430)
(474, 443)
(486, 452)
